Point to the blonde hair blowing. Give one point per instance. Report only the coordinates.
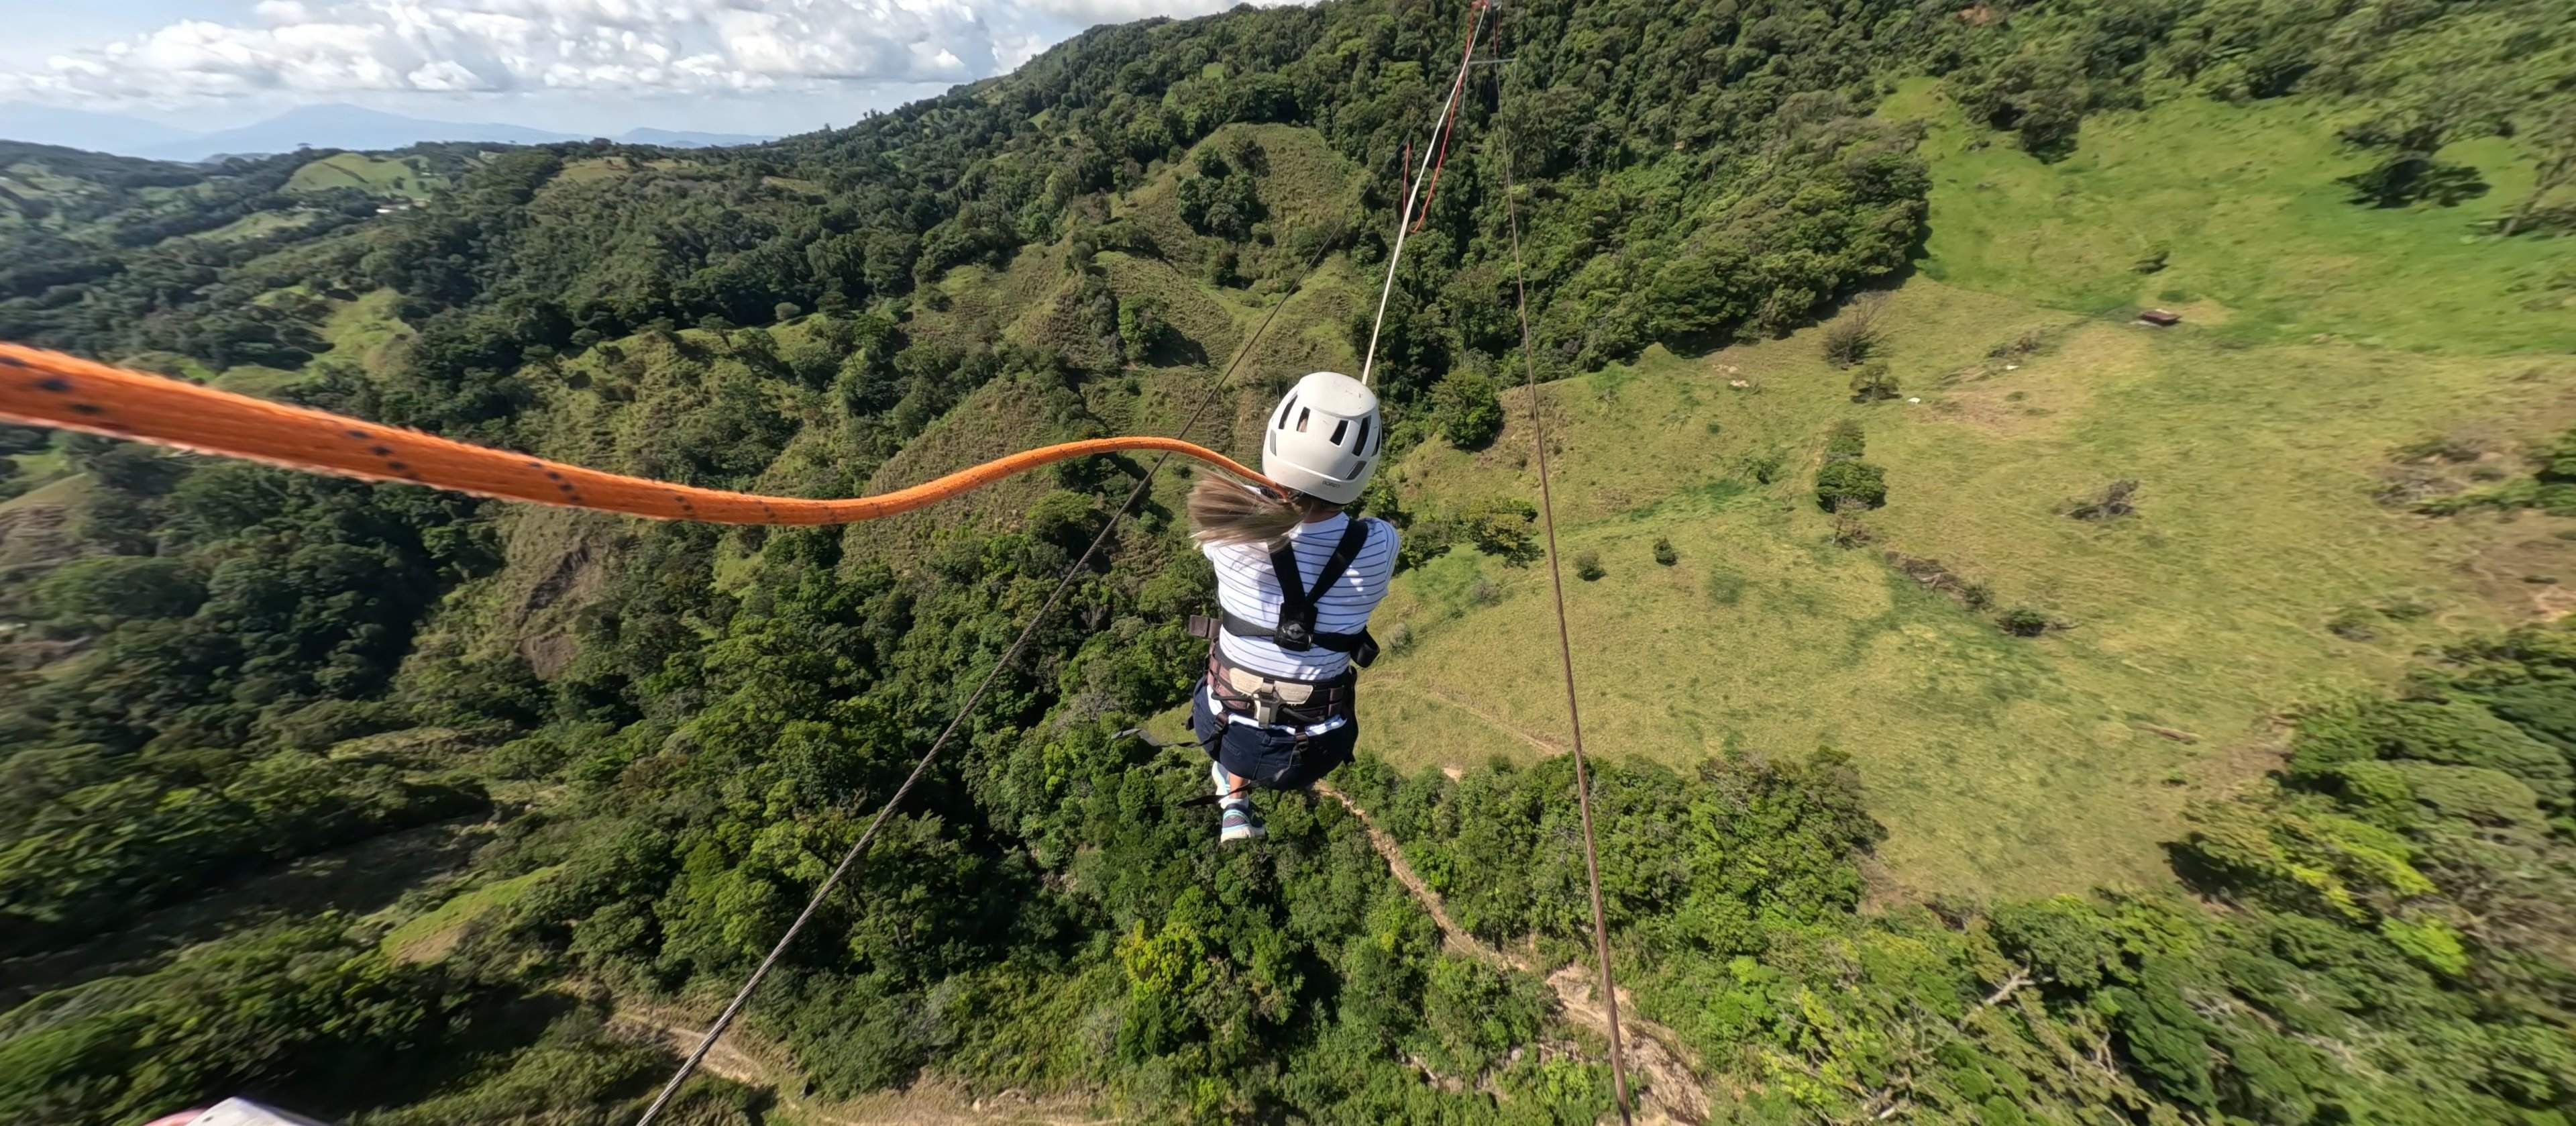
(1228, 512)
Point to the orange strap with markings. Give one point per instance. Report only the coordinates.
(44, 388)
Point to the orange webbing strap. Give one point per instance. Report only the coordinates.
(51, 389)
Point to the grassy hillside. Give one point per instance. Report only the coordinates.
(1852, 827)
(2260, 430)
(375, 175)
(2257, 233)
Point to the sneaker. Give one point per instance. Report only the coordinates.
(1239, 824)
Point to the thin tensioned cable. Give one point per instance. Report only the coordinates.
(1449, 125)
(1009, 657)
(1404, 218)
(1564, 636)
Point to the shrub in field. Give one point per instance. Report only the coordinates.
(1847, 483)
(1851, 338)
(1872, 383)
(1465, 408)
(2022, 621)
(1844, 442)
(2118, 499)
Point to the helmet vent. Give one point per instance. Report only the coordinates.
(1302, 417)
(1284, 408)
(1361, 446)
(1339, 429)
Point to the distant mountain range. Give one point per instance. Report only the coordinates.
(326, 126)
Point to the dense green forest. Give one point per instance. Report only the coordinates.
(600, 763)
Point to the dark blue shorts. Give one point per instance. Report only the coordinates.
(1270, 757)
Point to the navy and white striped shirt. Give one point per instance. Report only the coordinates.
(1247, 589)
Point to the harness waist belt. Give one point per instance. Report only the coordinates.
(1279, 701)
(1355, 644)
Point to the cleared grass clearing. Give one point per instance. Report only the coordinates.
(42, 465)
(430, 936)
(71, 493)
(255, 379)
(365, 330)
(594, 168)
(358, 170)
(1307, 185)
(170, 364)
(2001, 765)
(2259, 429)
(257, 223)
(997, 419)
(2260, 233)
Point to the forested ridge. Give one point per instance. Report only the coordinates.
(647, 742)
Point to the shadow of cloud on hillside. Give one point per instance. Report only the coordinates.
(357, 880)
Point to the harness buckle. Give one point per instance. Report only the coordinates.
(1294, 637)
(1265, 705)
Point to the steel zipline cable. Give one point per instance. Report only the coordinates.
(51, 389)
(1010, 656)
(1556, 584)
(1413, 191)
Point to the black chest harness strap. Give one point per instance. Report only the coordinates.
(1295, 631)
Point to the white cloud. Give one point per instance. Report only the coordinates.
(317, 49)
(1085, 13)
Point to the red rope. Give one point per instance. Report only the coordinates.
(1448, 124)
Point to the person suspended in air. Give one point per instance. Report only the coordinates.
(1296, 578)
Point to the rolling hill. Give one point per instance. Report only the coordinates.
(332, 126)
(2181, 736)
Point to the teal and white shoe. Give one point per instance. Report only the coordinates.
(1237, 821)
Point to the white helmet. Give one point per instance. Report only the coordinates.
(1325, 437)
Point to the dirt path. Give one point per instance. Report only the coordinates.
(1453, 937)
(1543, 745)
(744, 1058)
(1668, 1087)
(725, 1059)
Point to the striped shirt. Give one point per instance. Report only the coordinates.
(1248, 589)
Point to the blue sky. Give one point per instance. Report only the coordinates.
(577, 66)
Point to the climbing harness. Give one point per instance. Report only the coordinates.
(1011, 656)
(1298, 604)
(51, 389)
(1278, 701)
